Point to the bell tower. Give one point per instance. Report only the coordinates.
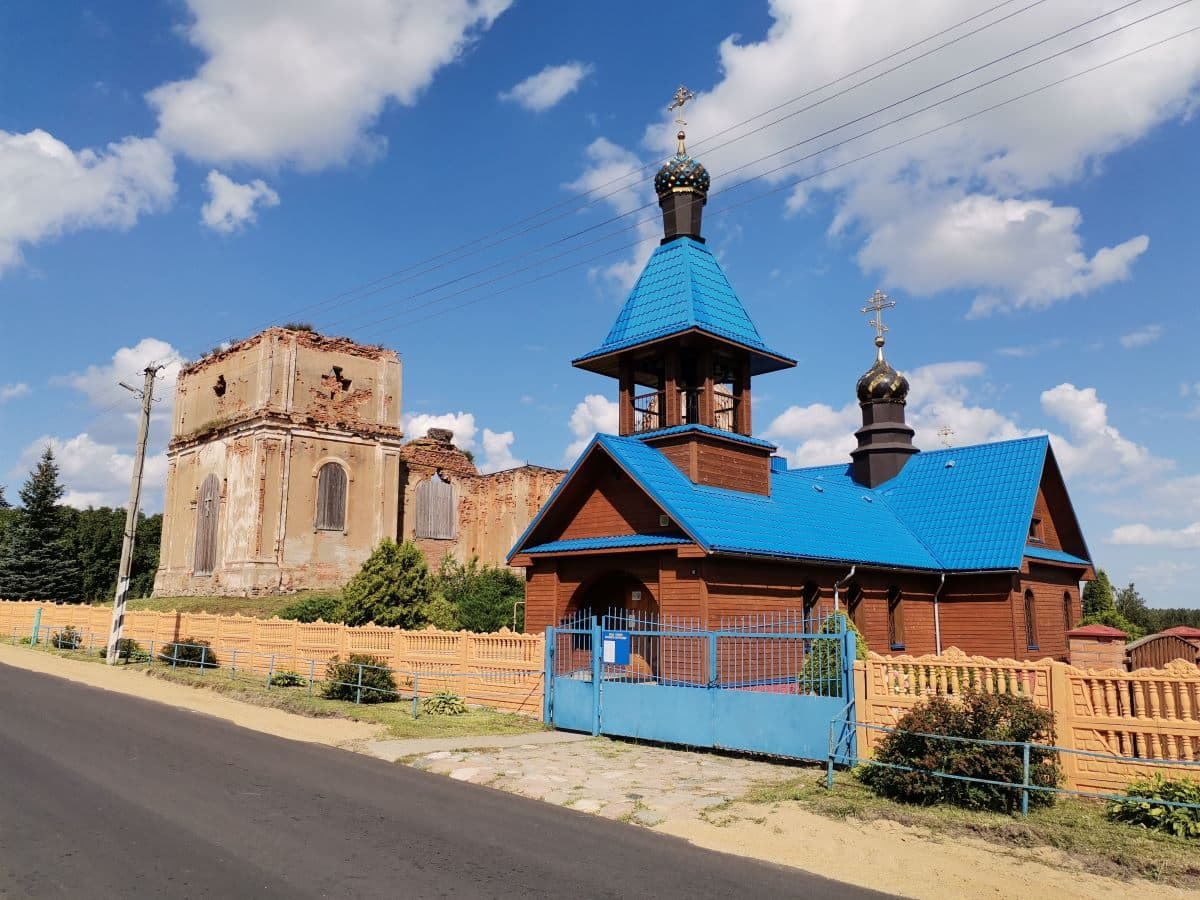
(683, 348)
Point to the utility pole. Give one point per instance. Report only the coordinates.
(131, 514)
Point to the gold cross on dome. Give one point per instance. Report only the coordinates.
(682, 97)
(946, 433)
(877, 304)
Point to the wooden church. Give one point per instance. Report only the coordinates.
(685, 513)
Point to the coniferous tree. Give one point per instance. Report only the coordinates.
(36, 561)
(391, 588)
(1098, 596)
(4, 504)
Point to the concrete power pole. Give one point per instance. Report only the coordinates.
(131, 514)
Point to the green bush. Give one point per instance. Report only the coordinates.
(67, 639)
(326, 607)
(444, 703)
(129, 650)
(25, 640)
(993, 717)
(342, 679)
(822, 670)
(483, 597)
(391, 588)
(1176, 820)
(288, 678)
(189, 652)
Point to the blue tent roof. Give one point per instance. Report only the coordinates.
(963, 509)
(682, 288)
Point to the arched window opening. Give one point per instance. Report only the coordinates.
(895, 601)
(1031, 638)
(854, 604)
(208, 508)
(811, 596)
(437, 509)
(1068, 615)
(331, 498)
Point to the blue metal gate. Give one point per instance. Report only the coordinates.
(767, 684)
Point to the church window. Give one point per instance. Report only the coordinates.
(1035, 530)
(811, 597)
(854, 604)
(1068, 615)
(895, 601)
(1031, 636)
(437, 513)
(208, 507)
(331, 498)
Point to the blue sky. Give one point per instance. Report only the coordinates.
(177, 174)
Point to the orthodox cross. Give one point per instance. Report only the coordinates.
(681, 98)
(877, 304)
(946, 433)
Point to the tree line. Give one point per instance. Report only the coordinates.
(1127, 610)
(56, 553)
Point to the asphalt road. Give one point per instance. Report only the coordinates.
(104, 795)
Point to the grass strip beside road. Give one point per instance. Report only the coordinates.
(1077, 828)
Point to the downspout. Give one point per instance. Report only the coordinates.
(937, 617)
(837, 603)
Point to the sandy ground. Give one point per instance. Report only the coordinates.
(333, 732)
(674, 788)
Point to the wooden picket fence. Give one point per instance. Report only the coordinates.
(1149, 713)
(503, 670)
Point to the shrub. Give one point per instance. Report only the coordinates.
(189, 652)
(444, 703)
(129, 650)
(326, 607)
(342, 679)
(288, 678)
(822, 670)
(482, 596)
(1176, 820)
(67, 639)
(391, 588)
(440, 612)
(25, 640)
(994, 717)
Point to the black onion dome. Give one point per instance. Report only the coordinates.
(682, 171)
(882, 384)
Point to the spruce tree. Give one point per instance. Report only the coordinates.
(36, 561)
(392, 588)
(1098, 596)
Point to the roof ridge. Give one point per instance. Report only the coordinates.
(1019, 440)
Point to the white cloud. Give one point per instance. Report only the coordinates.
(96, 473)
(48, 189)
(1141, 535)
(608, 172)
(12, 391)
(1141, 337)
(1095, 446)
(304, 82)
(232, 205)
(497, 451)
(545, 89)
(462, 424)
(958, 209)
(594, 414)
(1026, 350)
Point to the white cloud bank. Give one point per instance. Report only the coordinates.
(1141, 337)
(1142, 535)
(494, 447)
(594, 414)
(231, 206)
(547, 88)
(12, 391)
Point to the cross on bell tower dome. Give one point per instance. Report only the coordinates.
(682, 183)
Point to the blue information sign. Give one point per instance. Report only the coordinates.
(616, 648)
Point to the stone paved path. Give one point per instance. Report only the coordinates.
(614, 779)
(399, 748)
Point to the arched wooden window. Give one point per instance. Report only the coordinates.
(437, 512)
(1031, 637)
(895, 601)
(1068, 614)
(811, 595)
(854, 604)
(208, 509)
(331, 498)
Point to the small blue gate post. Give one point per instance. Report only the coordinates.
(849, 653)
(713, 678)
(597, 672)
(37, 626)
(548, 680)
(1025, 778)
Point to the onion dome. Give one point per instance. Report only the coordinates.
(681, 173)
(881, 383)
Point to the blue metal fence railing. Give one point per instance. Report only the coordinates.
(252, 665)
(842, 753)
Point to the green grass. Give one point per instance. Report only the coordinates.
(1077, 827)
(396, 717)
(259, 607)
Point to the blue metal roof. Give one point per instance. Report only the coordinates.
(1054, 555)
(705, 429)
(682, 288)
(606, 543)
(962, 509)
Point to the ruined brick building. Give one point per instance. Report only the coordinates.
(287, 466)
